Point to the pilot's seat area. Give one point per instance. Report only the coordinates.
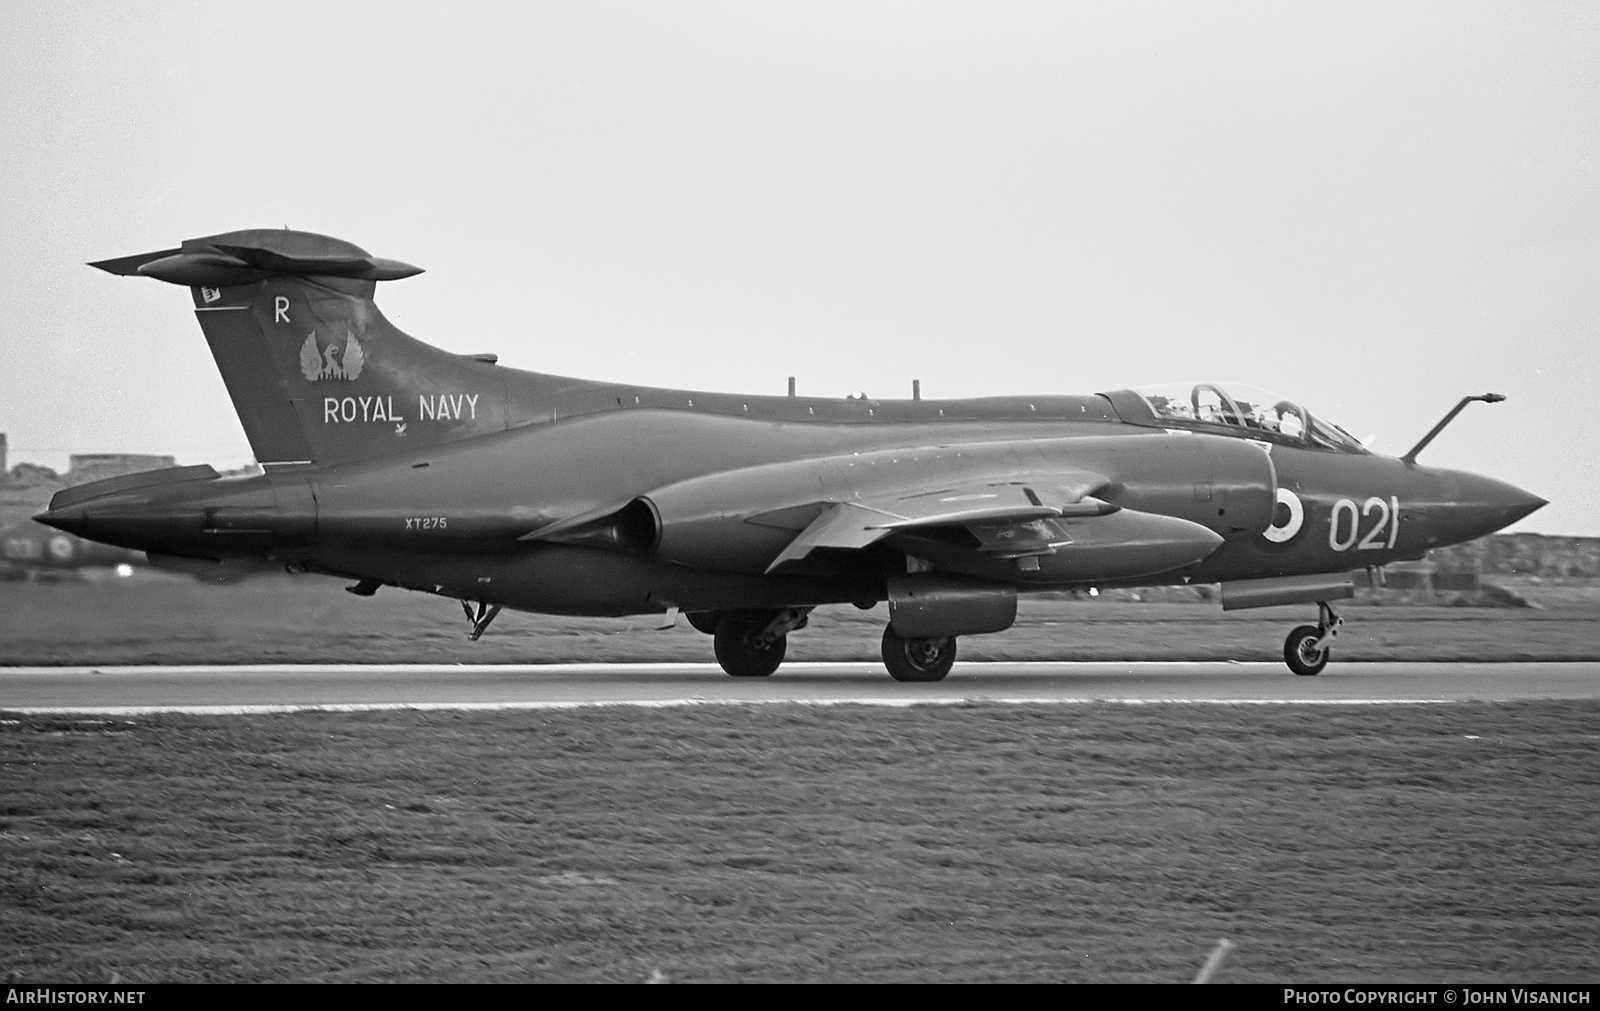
(1241, 409)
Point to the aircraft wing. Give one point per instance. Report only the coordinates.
(988, 508)
(1007, 499)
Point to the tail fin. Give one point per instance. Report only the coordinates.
(316, 373)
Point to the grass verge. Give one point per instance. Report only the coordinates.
(785, 842)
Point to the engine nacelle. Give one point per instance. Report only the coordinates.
(721, 521)
(1229, 486)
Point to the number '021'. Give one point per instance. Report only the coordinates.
(1343, 533)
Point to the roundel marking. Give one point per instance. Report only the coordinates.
(61, 548)
(1297, 518)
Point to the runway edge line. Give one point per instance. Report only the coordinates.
(890, 703)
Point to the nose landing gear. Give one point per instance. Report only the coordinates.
(1308, 647)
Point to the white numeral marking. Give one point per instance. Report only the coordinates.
(1383, 534)
(1336, 542)
(1374, 539)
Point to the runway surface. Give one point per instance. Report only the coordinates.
(259, 689)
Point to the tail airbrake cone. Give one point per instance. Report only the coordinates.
(69, 520)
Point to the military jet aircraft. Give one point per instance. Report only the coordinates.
(393, 463)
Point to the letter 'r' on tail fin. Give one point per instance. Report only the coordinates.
(316, 373)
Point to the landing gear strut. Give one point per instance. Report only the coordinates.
(918, 659)
(480, 621)
(751, 644)
(1308, 647)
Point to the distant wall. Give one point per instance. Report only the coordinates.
(1523, 555)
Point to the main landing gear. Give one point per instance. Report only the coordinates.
(1308, 647)
(751, 644)
(918, 659)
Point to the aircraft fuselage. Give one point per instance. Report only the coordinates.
(463, 519)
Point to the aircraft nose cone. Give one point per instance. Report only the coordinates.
(1505, 501)
(73, 521)
(1526, 505)
(1486, 504)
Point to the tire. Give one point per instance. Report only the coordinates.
(1299, 655)
(918, 659)
(738, 655)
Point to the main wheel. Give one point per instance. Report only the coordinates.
(918, 659)
(1301, 653)
(736, 650)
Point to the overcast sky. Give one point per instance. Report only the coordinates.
(1373, 208)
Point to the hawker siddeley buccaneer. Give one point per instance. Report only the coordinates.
(392, 463)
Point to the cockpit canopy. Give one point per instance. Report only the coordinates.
(1244, 409)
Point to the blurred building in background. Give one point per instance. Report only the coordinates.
(86, 467)
(31, 549)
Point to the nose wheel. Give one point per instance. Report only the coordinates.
(1308, 647)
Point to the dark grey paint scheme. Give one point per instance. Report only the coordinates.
(394, 463)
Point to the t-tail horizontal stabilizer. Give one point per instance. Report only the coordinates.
(235, 258)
